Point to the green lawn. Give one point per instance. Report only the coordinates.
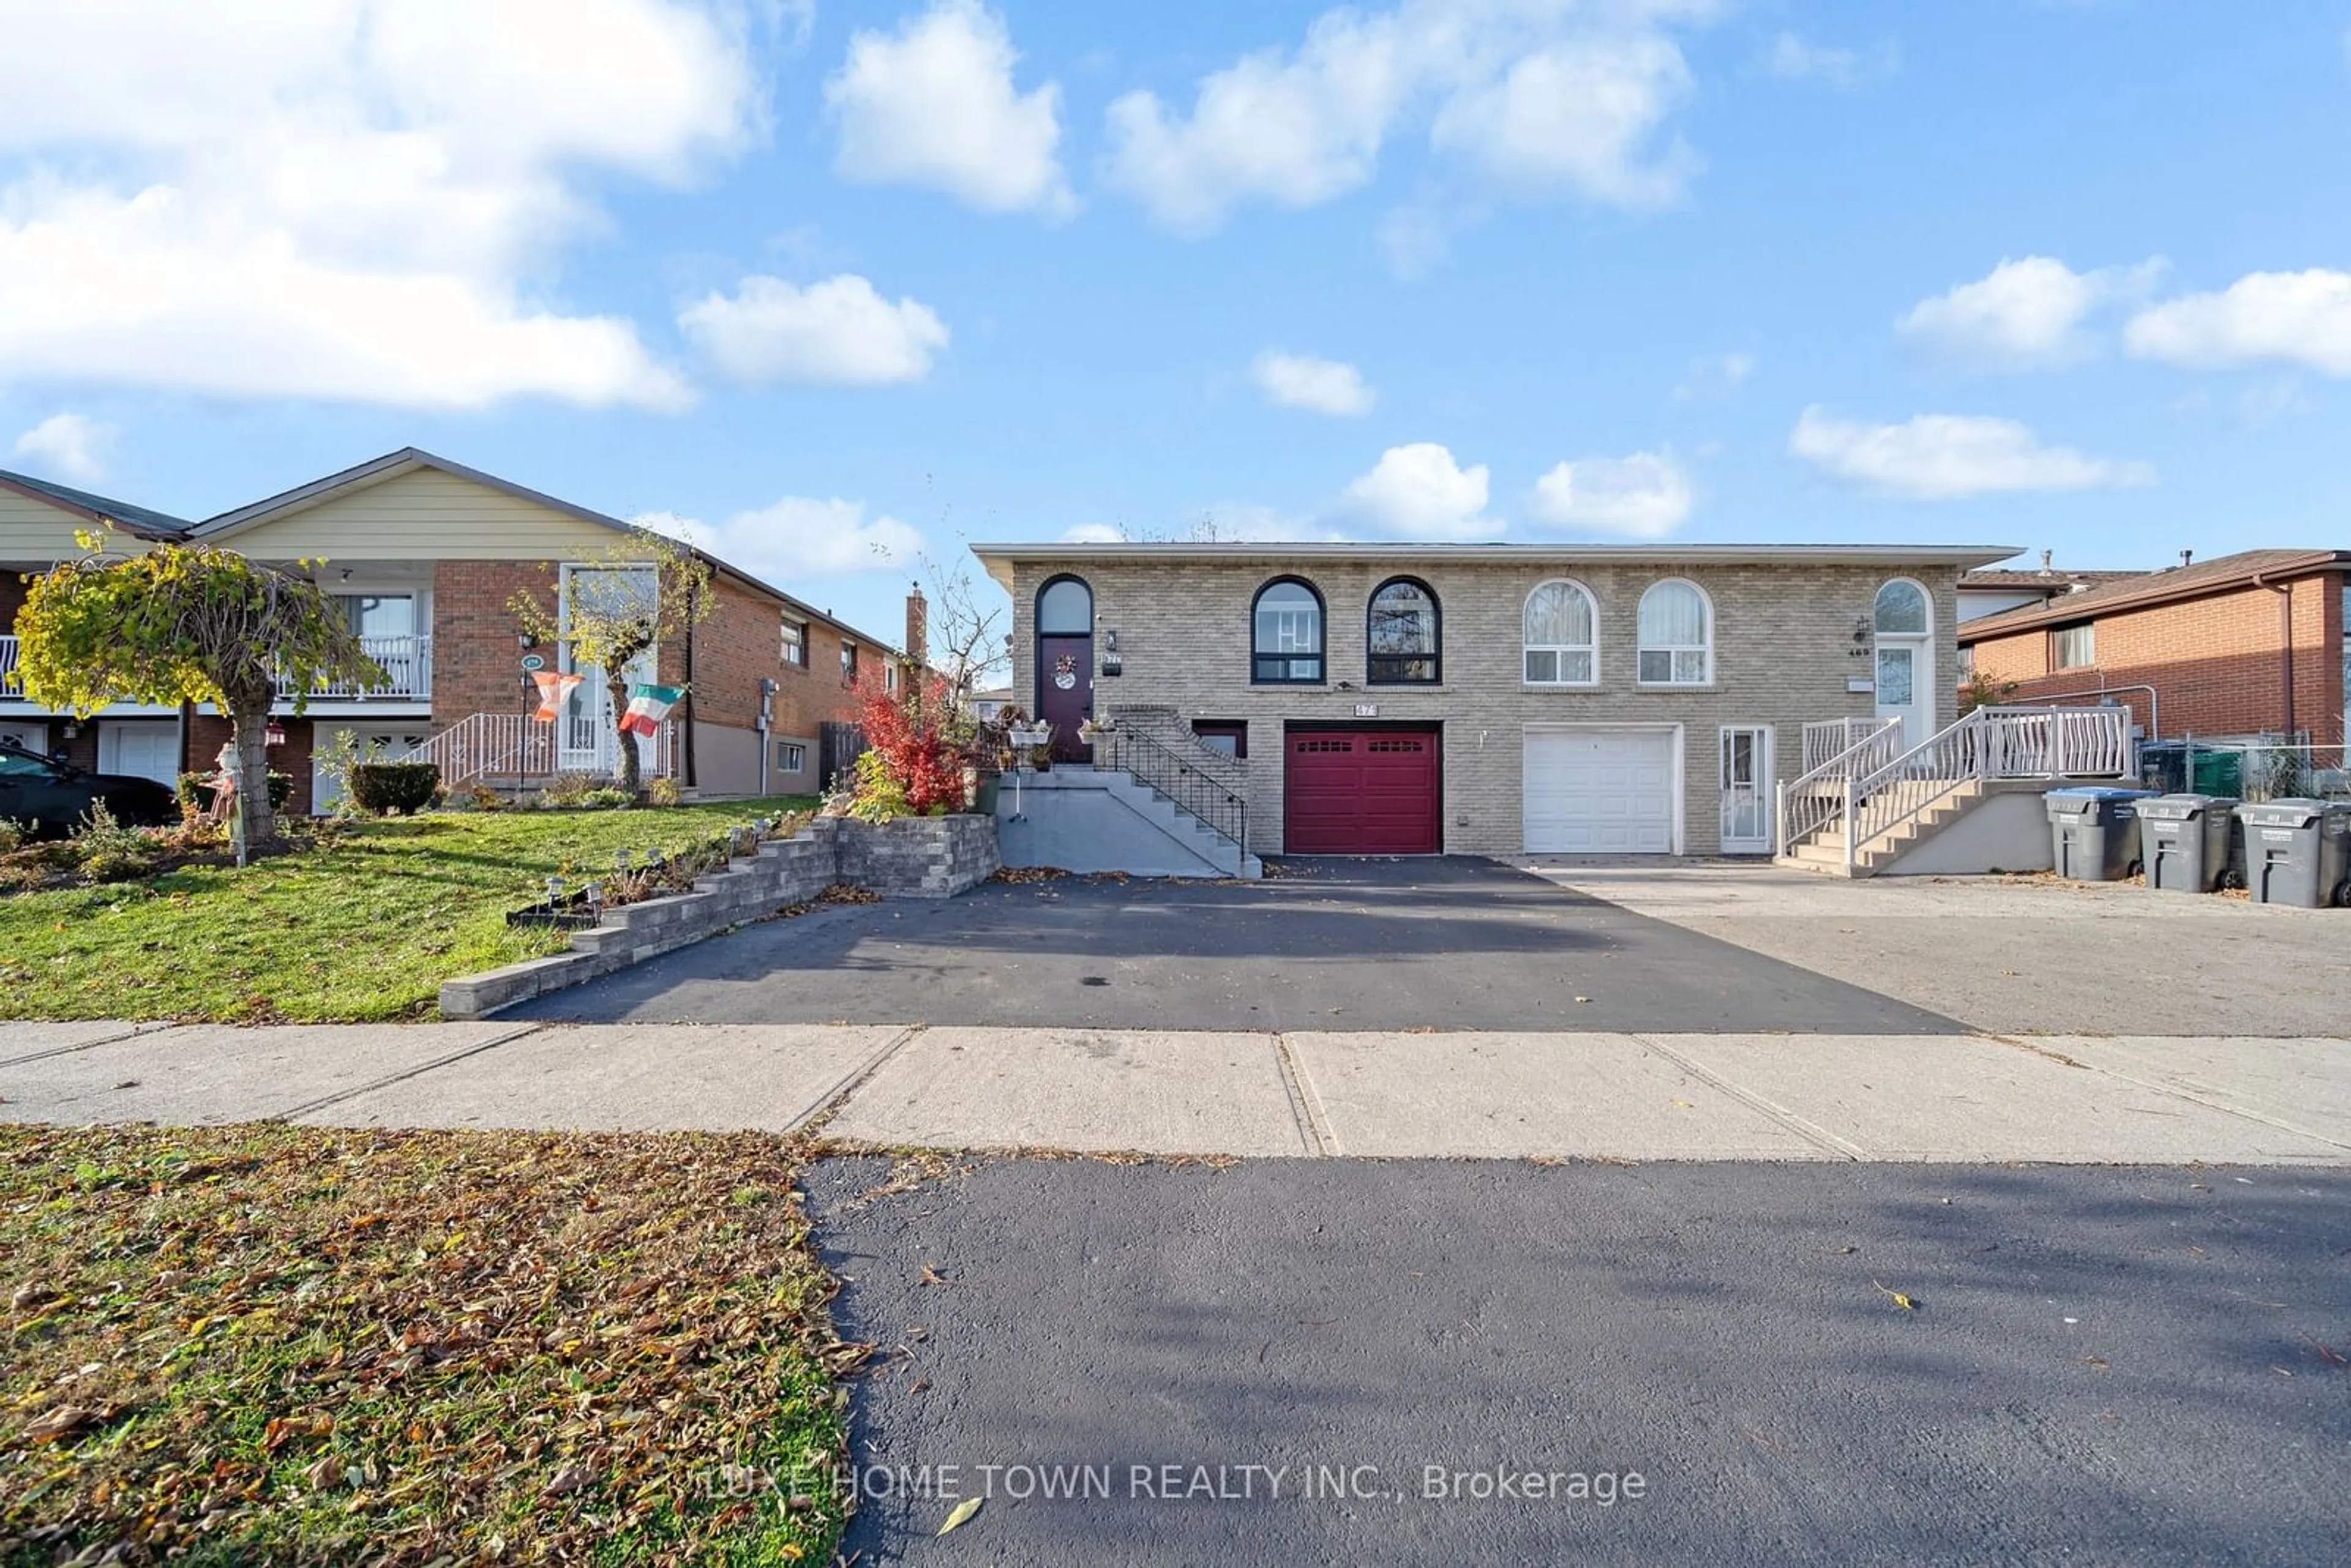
(316, 1349)
(366, 929)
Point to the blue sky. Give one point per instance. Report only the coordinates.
(834, 284)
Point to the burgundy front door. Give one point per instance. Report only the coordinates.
(1360, 792)
(1065, 692)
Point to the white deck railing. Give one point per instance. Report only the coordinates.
(514, 746)
(407, 666)
(1841, 739)
(1859, 801)
(10, 686)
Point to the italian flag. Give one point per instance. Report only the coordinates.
(647, 706)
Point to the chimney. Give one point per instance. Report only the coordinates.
(2045, 555)
(918, 627)
(2186, 558)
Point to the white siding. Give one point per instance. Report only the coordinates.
(424, 514)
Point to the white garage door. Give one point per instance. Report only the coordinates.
(146, 750)
(1601, 792)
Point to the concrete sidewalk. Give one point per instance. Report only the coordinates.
(1632, 1096)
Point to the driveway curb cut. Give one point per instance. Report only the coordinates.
(1821, 1137)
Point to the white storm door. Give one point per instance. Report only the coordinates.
(1746, 790)
(1906, 686)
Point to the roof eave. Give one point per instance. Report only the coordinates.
(2150, 595)
(995, 555)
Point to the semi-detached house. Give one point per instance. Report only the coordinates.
(1490, 699)
(424, 555)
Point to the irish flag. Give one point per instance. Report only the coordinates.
(647, 706)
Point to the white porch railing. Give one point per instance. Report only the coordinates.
(515, 746)
(1860, 802)
(10, 686)
(407, 664)
(1833, 739)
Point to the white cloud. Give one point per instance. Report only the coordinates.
(1093, 534)
(2296, 317)
(2024, 313)
(359, 200)
(1302, 381)
(1537, 97)
(840, 331)
(1643, 495)
(71, 446)
(1791, 58)
(1715, 375)
(1418, 491)
(933, 105)
(798, 537)
(1944, 457)
(1578, 118)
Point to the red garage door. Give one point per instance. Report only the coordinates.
(1360, 792)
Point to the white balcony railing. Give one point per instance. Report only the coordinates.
(10, 688)
(407, 664)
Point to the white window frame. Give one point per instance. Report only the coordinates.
(1559, 651)
(793, 636)
(849, 666)
(1674, 651)
(792, 756)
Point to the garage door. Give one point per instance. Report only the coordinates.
(1600, 791)
(1360, 792)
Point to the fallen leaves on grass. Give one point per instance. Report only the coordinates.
(313, 1347)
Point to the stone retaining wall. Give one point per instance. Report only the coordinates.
(932, 857)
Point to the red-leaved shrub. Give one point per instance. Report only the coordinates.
(906, 729)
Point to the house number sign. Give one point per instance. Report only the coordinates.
(1367, 710)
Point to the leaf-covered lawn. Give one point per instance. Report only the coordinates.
(282, 1345)
(364, 930)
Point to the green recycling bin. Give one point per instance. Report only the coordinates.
(2297, 852)
(2093, 830)
(2183, 842)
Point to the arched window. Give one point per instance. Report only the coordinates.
(1401, 634)
(1560, 648)
(1065, 608)
(1286, 634)
(1902, 610)
(1677, 635)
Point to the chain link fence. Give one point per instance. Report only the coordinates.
(2262, 767)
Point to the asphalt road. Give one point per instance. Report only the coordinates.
(2103, 1366)
(1448, 944)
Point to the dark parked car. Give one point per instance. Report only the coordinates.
(48, 799)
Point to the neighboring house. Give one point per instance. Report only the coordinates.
(426, 554)
(986, 705)
(2243, 644)
(1487, 699)
(1992, 590)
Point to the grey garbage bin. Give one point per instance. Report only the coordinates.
(2183, 842)
(2093, 830)
(2297, 852)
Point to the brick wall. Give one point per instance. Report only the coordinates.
(2215, 662)
(477, 659)
(1784, 646)
(208, 732)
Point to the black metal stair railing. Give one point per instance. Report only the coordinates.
(1190, 787)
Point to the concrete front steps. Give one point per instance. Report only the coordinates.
(1083, 820)
(1823, 851)
(1980, 827)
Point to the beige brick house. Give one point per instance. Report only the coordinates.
(426, 554)
(1487, 699)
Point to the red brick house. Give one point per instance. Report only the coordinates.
(426, 554)
(2242, 644)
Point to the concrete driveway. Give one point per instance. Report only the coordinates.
(2014, 954)
(1421, 944)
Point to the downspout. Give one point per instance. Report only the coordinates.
(693, 626)
(2285, 643)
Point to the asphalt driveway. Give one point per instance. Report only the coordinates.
(1263, 1363)
(1434, 944)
